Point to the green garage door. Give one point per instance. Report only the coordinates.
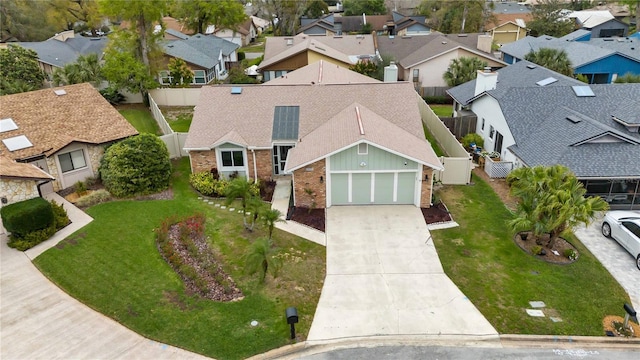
(339, 189)
(383, 188)
(406, 188)
(382, 185)
(360, 189)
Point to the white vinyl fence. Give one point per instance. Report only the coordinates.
(176, 96)
(173, 140)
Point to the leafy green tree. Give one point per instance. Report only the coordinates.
(26, 20)
(316, 9)
(456, 16)
(19, 70)
(198, 14)
(122, 68)
(634, 8)
(181, 75)
(260, 259)
(551, 201)
(548, 19)
(552, 59)
(135, 166)
(628, 78)
(284, 14)
(72, 13)
(365, 67)
(270, 218)
(369, 7)
(86, 68)
(463, 69)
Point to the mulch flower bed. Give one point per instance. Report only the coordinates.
(437, 213)
(311, 217)
(613, 326)
(527, 242)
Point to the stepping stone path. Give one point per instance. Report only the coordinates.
(223, 207)
(232, 209)
(537, 304)
(535, 313)
(217, 205)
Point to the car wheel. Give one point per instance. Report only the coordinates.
(606, 229)
(638, 261)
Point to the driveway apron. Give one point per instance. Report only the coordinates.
(384, 277)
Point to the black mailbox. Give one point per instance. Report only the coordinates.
(292, 315)
(629, 309)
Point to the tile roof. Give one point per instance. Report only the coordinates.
(321, 72)
(52, 122)
(345, 48)
(201, 50)
(250, 114)
(60, 53)
(12, 169)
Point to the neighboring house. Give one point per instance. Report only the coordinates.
(208, 56)
(19, 181)
(498, 17)
(424, 59)
(243, 35)
(533, 116)
(508, 32)
(260, 24)
(343, 144)
(600, 60)
(62, 131)
(578, 35)
(175, 25)
(601, 23)
(283, 54)
(64, 48)
(393, 24)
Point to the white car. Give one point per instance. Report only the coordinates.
(624, 227)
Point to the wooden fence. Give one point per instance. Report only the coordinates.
(460, 125)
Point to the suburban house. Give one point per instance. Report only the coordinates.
(62, 130)
(260, 24)
(424, 59)
(342, 143)
(283, 54)
(19, 181)
(208, 56)
(508, 32)
(600, 60)
(174, 25)
(243, 34)
(533, 116)
(601, 23)
(64, 48)
(393, 24)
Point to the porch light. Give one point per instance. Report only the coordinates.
(321, 179)
(426, 177)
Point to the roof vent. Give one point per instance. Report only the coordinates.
(547, 81)
(583, 91)
(7, 125)
(289, 41)
(17, 143)
(60, 92)
(236, 90)
(574, 119)
(530, 66)
(463, 35)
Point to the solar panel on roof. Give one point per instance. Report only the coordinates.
(7, 125)
(17, 143)
(547, 81)
(286, 120)
(583, 91)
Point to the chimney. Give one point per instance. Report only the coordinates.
(484, 43)
(391, 72)
(485, 81)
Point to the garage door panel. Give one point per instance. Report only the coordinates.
(361, 188)
(339, 189)
(383, 188)
(406, 188)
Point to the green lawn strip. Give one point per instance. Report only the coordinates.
(500, 279)
(142, 120)
(442, 110)
(113, 266)
(432, 141)
(253, 48)
(181, 125)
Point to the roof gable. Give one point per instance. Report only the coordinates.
(201, 50)
(321, 72)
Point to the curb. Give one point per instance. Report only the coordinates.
(510, 340)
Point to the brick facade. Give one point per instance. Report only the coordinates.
(264, 164)
(203, 160)
(425, 196)
(307, 179)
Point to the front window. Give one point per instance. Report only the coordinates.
(232, 158)
(199, 77)
(165, 78)
(416, 75)
(72, 161)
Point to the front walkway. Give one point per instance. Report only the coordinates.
(40, 321)
(280, 202)
(384, 278)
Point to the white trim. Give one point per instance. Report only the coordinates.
(483, 55)
(373, 187)
(255, 166)
(349, 187)
(373, 171)
(221, 167)
(395, 187)
(327, 182)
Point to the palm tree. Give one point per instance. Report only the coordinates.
(257, 207)
(551, 201)
(260, 259)
(463, 69)
(270, 218)
(552, 59)
(240, 188)
(86, 69)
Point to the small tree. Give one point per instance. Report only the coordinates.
(551, 201)
(463, 69)
(552, 59)
(240, 188)
(270, 218)
(261, 259)
(135, 166)
(181, 75)
(365, 67)
(19, 70)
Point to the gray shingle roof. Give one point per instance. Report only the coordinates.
(626, 46)
(201, 50)
(575, 35)
(580, 53)
(60, 53)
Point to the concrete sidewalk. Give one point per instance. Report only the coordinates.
(280, 202)
(40, 321)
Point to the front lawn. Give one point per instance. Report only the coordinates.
(442, 110)
(113, 266)
(141, 119)
(500, 279)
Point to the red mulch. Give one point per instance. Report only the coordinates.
(311, 217)
(436, 214)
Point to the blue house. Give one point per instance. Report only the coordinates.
(601, 60)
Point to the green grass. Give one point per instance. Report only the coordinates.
(432, 140)
(182, 123)
(442, 110)
(142, 120)
(253, 48)
(500, 279)
(113, 266)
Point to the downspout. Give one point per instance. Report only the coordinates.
(42, 183)
(255, 167)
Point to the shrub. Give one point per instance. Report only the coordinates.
(136, 166)
(570, 254)
(96, 197)
(203, 182)
(25, 241)
(438, 100)
(60, 218)
(241, 55)
(112, 95)
(470, 138)
(26, 216)
(536, 249)
(80, 188)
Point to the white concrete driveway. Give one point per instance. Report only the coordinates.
(614, 258)
(384, 277)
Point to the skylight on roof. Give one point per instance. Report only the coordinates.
(17, 143)
(60, 92)
(531, 66)
(236, 90)
(583, 91)
(547, 81)
(7, 125)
